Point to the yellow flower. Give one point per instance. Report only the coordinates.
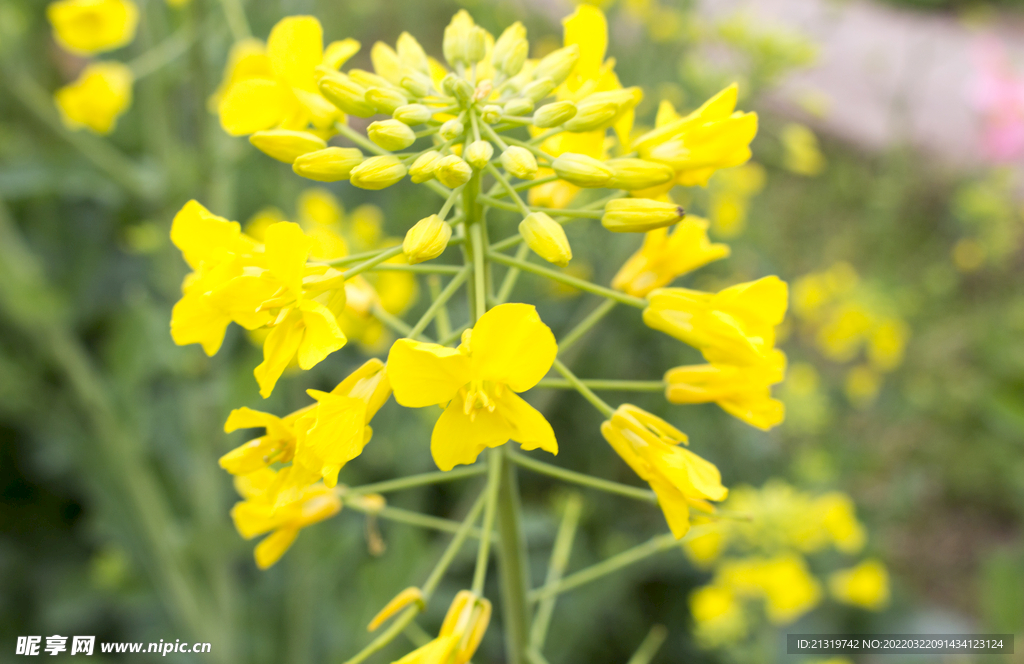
(679, 478)
(508, 351)
(663, 257)
(839, 519)
(255, 516)
(278, 88)
(734, 326)
(97, 98)
(784, 582)
(695, 146)
(460, 635)
(802, 154)
(742, 391)
(276, 445)
(93, 26)
(718, 615)
(865, 585)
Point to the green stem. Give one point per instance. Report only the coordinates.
(387, 636)
(585, 391)
(585, 325)
(237, 22)
(512, 276)
(162, 54)
(628, 557)
(503, 181)
(442, 324)
(493, 135)
(373, 262)
(556, 566)
(514, 569)
(396, 324)
(497, 192)
(449, 202)
(439, 302)
(612, 385)
(407, 517)
(537, 140)
(418, 269)
(575, 282)
(484, 551)
(454, 335)
(430, 585)
(581, 479)
(421, 479)
(650, 645)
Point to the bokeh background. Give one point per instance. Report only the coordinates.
(885, 187)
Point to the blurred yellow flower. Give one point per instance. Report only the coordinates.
(862, 385)
(718, 615)
(784, 582)
(731, 191)
(508, 350)
(865, 585)
(801, 152)
(100, 95)
(87, 27)
(460, 634)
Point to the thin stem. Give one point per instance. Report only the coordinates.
(514, 569)
(484, 551)
(493, 135)
(391, 321)
(407, 517)
(479, 273)
(508, 187)
(452, 198)
(430, 585)
(387, 636)
(575, 282)
(162, 54)
(497, 191)
(585, 391)
(650, 645)
(585, 325)
(442, 324)
(628, 557)
(372, 262)
(418, 269)
(422, 479)
(509, 282)
(439, 301)
(610, 385)
(454, 335)
(237, 22)
(556, 566)
(581, 479)
(537, 140)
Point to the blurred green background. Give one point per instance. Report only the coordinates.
(114, 516)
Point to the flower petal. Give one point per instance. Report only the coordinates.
(529, 427)
(588, 28)
(458, 439)
(511, 345)
(279, 348)
(194, 320)
(425, 374)
(255, 104)
(287, 249)
(674, 506)
(295, 47)
(321, 337)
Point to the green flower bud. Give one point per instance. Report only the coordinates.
(476, 45)
(452, 171)
(416, 85)
(377, 172)
(386, 100)
(456, 38)
(368, 79)
(490, 113)
(391, 134)
(520, 162)
(592, 115)
(344, 93)
(510, 51)
(451, 129)
(558, 64)
(519, 106)
(423, 168)
(459, 88)
(478, 154)
(427, 239)
(581, 170)
(286, 145)
(412, 114)
(546, 238)
(328, 165)
(539, 89)
(631, 174)
(639, 215)
(411, 54)
(555, 114)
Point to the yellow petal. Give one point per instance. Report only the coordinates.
(90, 26)
(194, 320)
(204, 237)
(279, 348)
(338, 53)
(386, 62)
(511, 345)
(287, 249)
(295, 47)
(97, 98)
(241, 297)
(247, 418)
(255, 104)
(270, 550)
(673, 504)
(529, 427)
(338, 435)
(588, 28)
(322, 335)
(424, 374)
(458, 439)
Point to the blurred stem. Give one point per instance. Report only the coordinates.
(585, 325)
(585, 391)
(512, 276)
(514, 569)
(430, 585)
(483, 553)
(507, 186)
(387, 636)
(628, 557)
(472, 222)
(537, 140)
(575, 282)
(583, 480)
(650, 645)
(407, 517)
(556, 566)
(422, 479)
(442, 324)
(237, 22)
(565, 212)
(614, 385)
(419, 269)
(439, 302)
(163, 53)
(449, 202)
(391, 321)
(498, 192)
(373, 262)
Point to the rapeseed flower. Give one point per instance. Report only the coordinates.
(87, 27)
(97, 98)
(508, 351)
(865, 585)
(665, 256)
(460, 634)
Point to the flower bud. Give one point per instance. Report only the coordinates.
(328, 165)
(546, 238)
(639, 215)
(555, 114)
(344, 93)
(452, 171)
(286, 145)
(518, 106)
(631, 174)
(478, 154)
(423, 168)
(510, 51)
(539, 89)
(460, 88)
(412, 114)
(427, 239)
(592, 114)
(558, 64)
(377, 172)
(490, 113)
(456, 38)
(416, 85)
(520, 162)
(581, 170)
(451, 129)
(476, 45)
(411, 54)
(386, 100)
(368, 79)
(391, 134)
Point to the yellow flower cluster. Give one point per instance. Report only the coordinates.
(843, 316)
(103, 91)
(759, 558)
